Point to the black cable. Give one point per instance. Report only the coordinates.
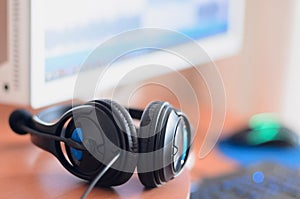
(98, 177)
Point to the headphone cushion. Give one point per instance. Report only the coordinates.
(121, 115)
(147, 143)
(149, 119)
(124, 115)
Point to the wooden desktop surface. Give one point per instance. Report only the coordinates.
(28, 172)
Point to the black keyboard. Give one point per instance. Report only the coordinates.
(263, 181)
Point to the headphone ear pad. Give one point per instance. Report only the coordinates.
(121, 115)
(147, 144)
(131, 135)
(149, 119)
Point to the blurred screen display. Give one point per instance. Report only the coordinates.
(74, 28)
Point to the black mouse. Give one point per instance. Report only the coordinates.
(265, 130)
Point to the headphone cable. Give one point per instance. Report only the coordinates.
(99, 176)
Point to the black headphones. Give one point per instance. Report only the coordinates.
(84, 138)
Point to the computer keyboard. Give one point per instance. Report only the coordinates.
(262, 181)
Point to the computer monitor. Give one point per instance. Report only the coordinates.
(48, 40)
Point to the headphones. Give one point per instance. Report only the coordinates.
(84, 138)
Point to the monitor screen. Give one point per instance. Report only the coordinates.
(74, 28)
(64, 33)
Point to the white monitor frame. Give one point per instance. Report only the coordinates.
(45, 93)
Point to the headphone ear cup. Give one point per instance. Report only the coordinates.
(147, 144)
(115, 128)
(127, 164)
(83, 164)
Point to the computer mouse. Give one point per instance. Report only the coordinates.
(265, 129)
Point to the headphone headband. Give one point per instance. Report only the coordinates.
(54, 113)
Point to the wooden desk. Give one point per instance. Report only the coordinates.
(28, 172)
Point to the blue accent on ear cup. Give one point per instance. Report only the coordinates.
(185, 144)
(77, 136)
